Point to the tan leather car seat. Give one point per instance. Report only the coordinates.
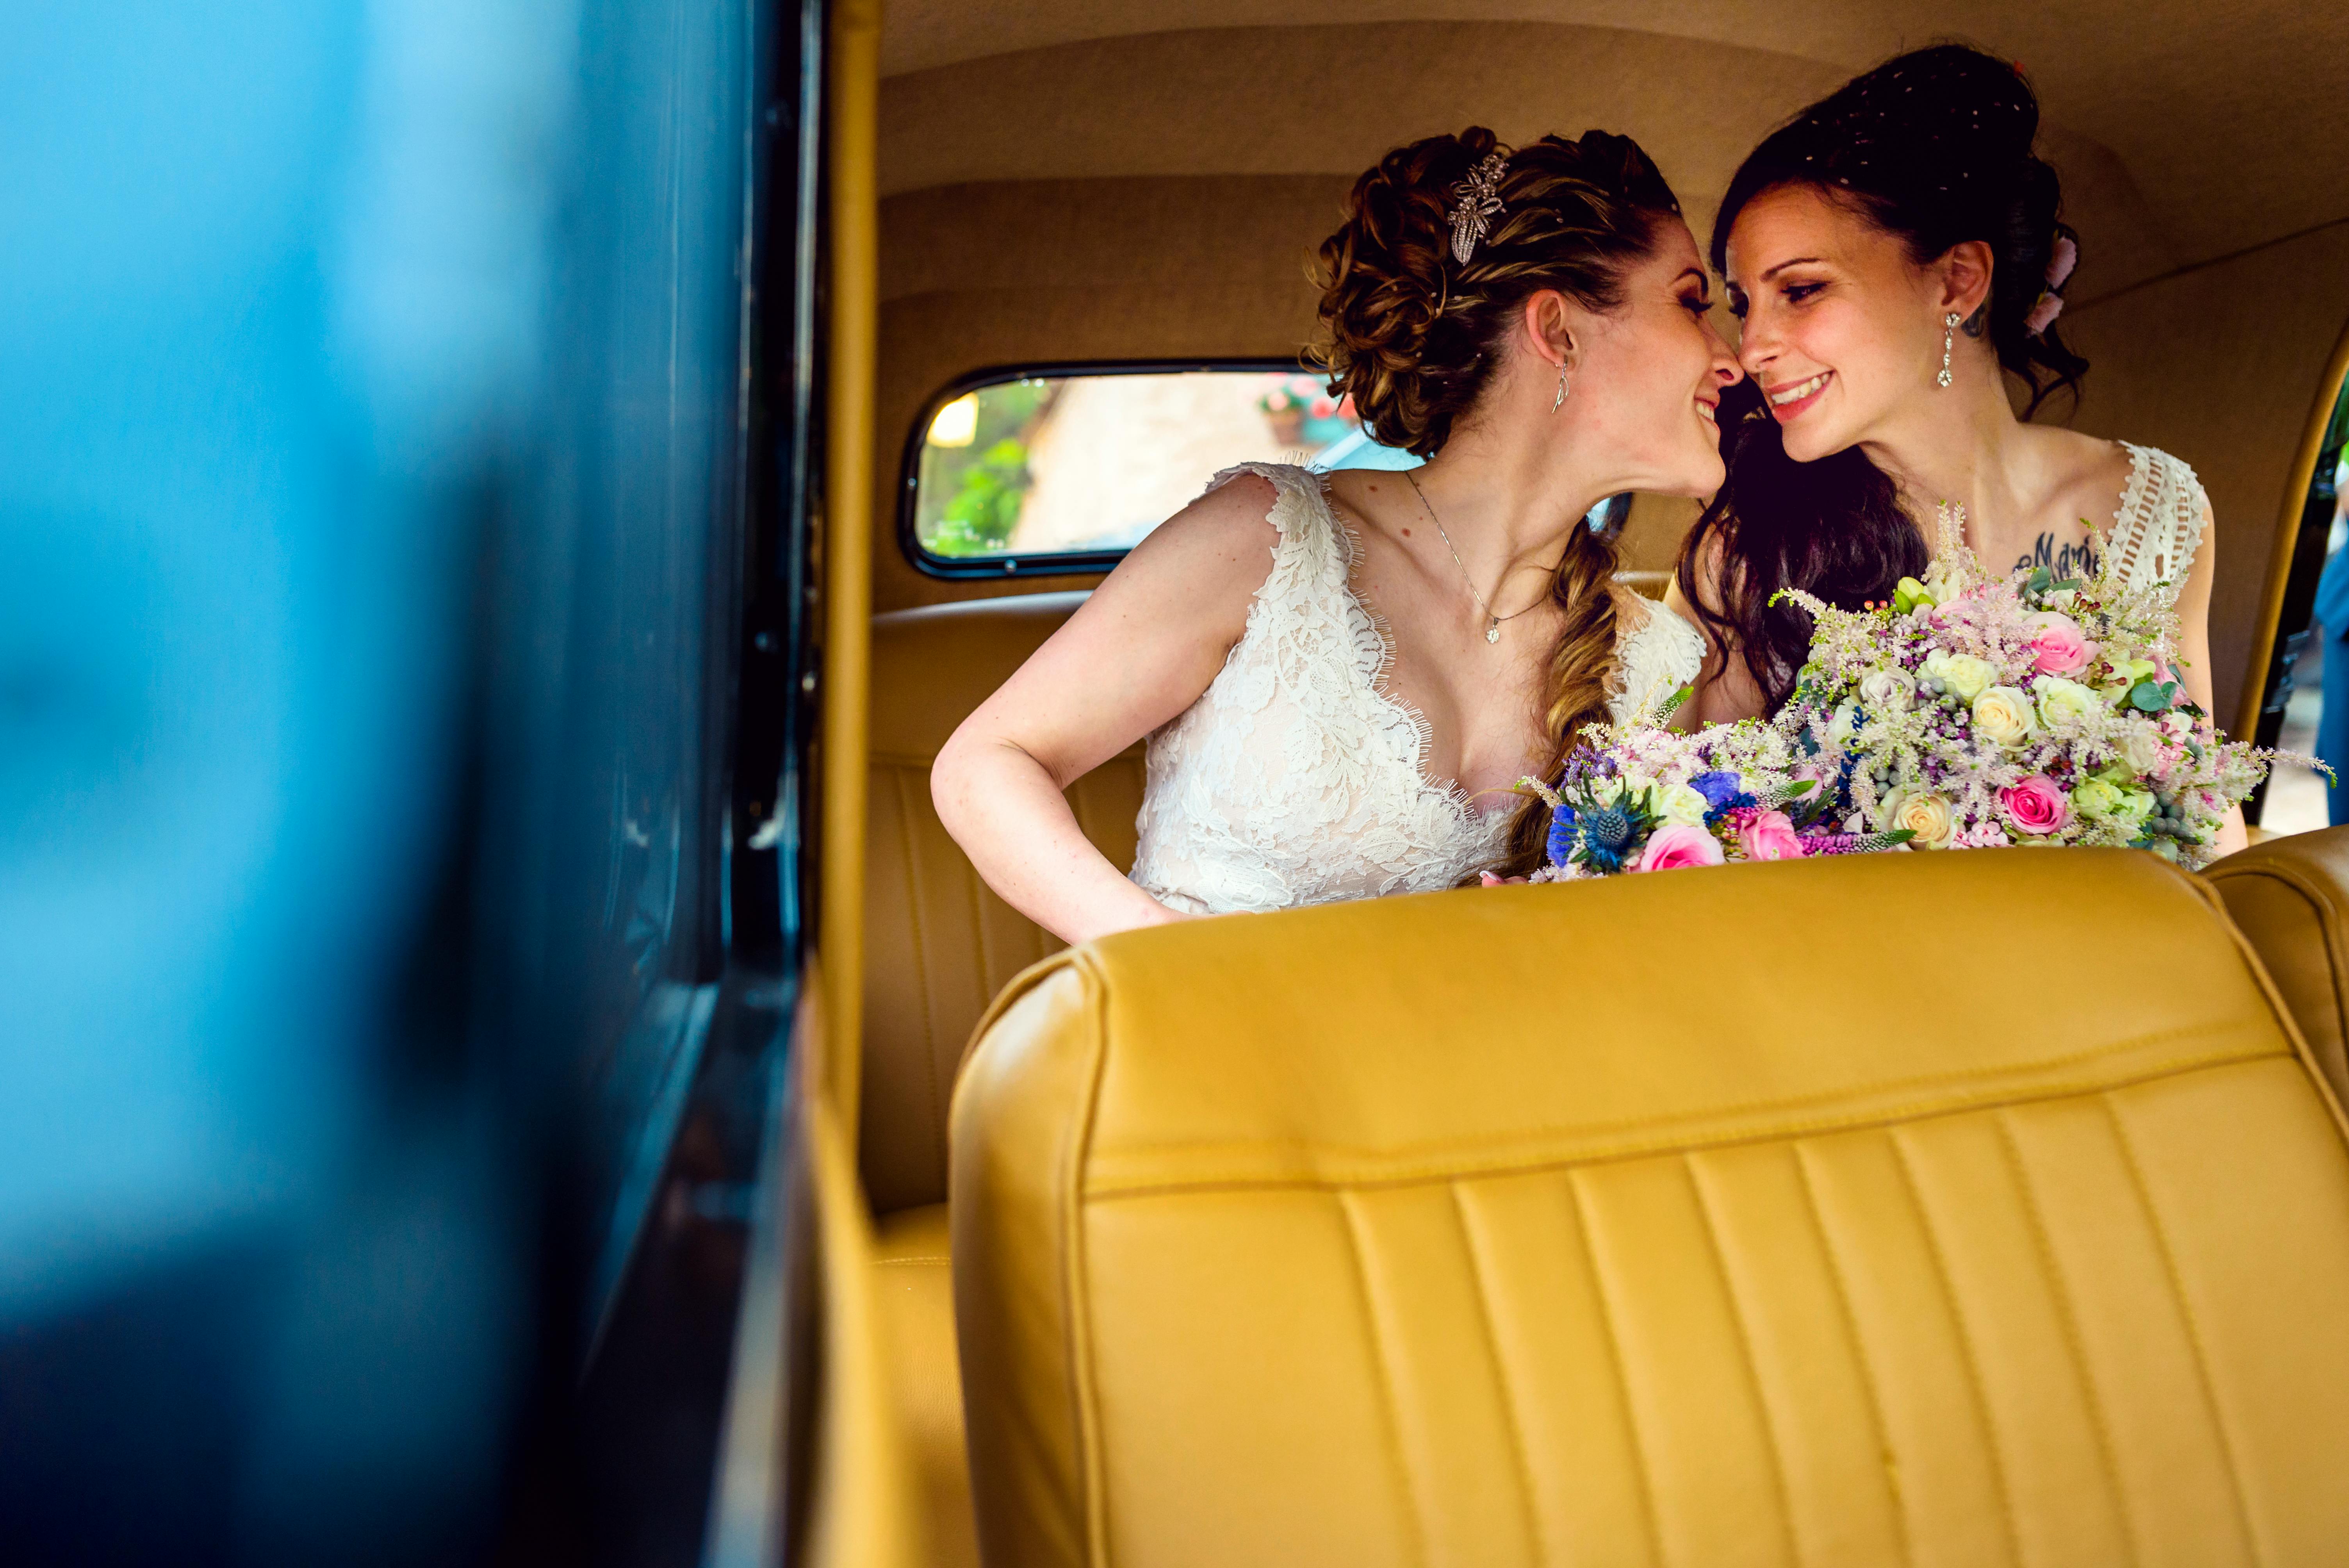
(938, 945)
(1960, 1208)
(2291, 897)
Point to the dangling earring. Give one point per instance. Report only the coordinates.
(1559, 401)
(1949, 341)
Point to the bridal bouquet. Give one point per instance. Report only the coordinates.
(1968, 712)
(1641, 798)
(1974, 711)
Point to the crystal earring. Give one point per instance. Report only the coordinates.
(1949, 341)
(1559, 401)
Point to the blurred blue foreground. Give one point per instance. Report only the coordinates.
(368, 388)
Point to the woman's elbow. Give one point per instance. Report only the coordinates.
(953, 780)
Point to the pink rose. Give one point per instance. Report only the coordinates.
(1678, 844)
(2035, 805)
(1770, 836)
(2058, 647)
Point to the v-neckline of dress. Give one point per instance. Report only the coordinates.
(1453, 792)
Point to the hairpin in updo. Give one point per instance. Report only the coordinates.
(2063, 257)
(1480, 197)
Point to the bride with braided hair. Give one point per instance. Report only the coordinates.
(1343, 675)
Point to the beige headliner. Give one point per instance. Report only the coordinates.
(2232, 116)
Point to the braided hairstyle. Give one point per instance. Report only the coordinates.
(1414, 336)
(1935, 147)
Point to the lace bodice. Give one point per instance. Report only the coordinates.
(2158, 528)
(1294, 778)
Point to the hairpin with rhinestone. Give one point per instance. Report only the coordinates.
(1479, 200)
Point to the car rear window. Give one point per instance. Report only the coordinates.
(1064, 469)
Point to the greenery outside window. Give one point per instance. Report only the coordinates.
(1063, 469)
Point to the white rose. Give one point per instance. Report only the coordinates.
(2140, 747)
(1888, 691)
(1966, 677)
(1923, 814)
(1841, 723)
(1679, 803)
(2064, 702)
(1943, 582)
(2002, 717)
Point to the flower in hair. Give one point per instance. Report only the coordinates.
(1480, 197)
(2065, 256)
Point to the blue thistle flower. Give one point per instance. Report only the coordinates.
(1607, 829)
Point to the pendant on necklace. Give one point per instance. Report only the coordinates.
(1493, 630)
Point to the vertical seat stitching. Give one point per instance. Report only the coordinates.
(1389, 1409)
(1858, 1346)
(1965, 1344)
(1615, 1361)
(2193, 1325)
(1501, 1367)
(906, 820)
(2074, 1340)
(1746, 1351)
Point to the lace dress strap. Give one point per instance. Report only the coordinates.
(1657, 652)
(2157, 530)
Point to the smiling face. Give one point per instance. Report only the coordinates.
(1842, 328)
(1647, 376)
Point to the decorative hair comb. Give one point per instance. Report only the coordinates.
(1479, 200)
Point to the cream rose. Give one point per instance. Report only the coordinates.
(1923, 814)
(1888, 691)
(2002, 717)
(2095, 798)
(1966, 677)
(2064, 702)
(2141, 748)
(1679, 803)
(1943, 582)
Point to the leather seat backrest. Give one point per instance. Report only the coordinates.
(2291, 897)
(937, 943)
(1965, 1208)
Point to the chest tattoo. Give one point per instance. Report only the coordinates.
(2061, 561)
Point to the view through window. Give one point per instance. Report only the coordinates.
(1086, 464)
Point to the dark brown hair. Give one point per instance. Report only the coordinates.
(1934, 147)
(1413, 335)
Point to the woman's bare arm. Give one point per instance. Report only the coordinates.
(1141, 650)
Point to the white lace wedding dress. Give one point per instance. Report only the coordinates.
(2163, 513)
(1294, 778)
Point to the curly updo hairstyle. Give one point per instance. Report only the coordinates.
(1414, 336)
(1933, 146)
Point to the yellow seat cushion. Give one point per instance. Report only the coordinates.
(1960, 1208)
(913, 1288)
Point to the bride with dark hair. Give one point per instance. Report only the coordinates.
(1895, 253)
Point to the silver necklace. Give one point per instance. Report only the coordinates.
(1492, 622)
